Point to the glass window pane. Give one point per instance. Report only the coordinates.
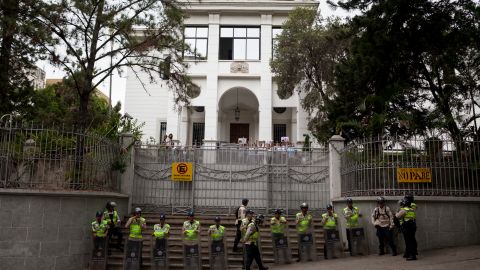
(201, 48)
(226, 32)
(190, 31)
(191, 43)
(253, 32)
(276, 32)
(202, 32)
(240, 32)
(253, 49)
(239, 46)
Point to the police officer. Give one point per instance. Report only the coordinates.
(111, 216)
(216, 231)
(240, 215)
(136, 224)
(351, 214)
(162, 229)
(382, 219)
(279, 227)
(303, 222)
(191, 228)
(99, 230)
(329, 222)
(407, 217)
(251, 241)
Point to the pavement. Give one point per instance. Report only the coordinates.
(457, 258)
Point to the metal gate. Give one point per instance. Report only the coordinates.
(222, 177)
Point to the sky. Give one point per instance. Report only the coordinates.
(119, 82)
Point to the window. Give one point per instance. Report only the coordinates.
(239, 43)
(279, 131)
(163, 130)
(198, 134)
(275, 33)
(197, 39)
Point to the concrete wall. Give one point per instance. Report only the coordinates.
(441, 221)
(49, 230)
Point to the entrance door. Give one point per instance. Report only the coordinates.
(238, 131)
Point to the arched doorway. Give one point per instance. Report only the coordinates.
(238, 115)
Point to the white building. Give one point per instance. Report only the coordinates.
(238, 97)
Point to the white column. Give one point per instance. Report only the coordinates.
(183, 135)
(336, 144)
(211, 95)
(265, 91)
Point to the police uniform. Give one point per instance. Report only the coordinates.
(304, 228)
(407, 217)
(191, 230)
(136, 226)
(351, 215)
(329, 222)
(114, 221)
(99, 230)
(241, 212)
(278, 227)
(251, 246)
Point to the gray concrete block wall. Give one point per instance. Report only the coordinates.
(49, 231)
(441, 222)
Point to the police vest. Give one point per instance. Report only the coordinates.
(303, 222)
(161, 232)
(277, 225)
(254, 236)
(410, 214)
(100, 229)
(352, 221)
(331, 222)
(106, 216)
(136, 228)
(191, 229)
(216, 234)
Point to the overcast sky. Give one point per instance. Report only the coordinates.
(118, 85)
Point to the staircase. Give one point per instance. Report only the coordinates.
(115, 260)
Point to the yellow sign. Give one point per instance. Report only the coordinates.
(182, 171)
(414, 175)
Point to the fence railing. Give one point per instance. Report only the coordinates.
(222, 177)
(425, 167)
(35, 157)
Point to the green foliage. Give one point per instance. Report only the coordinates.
(86, 33)
(399, 68)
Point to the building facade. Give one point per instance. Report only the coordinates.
(233, 42)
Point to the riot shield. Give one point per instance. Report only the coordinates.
(132, 259)
(99, 254)
(218, 255)
(333, 245)
(307, 250)
(357, 241)
(160, 254)
(281, 248)
(191, 255)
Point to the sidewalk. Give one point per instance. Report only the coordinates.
(458, 258)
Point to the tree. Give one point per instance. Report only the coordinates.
(307, 52)
(413, 64)
(144, 35)
(21, 38)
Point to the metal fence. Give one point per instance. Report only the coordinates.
(222, 177)
(370, 168)
(35, 157)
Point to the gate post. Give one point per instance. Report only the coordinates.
(336, 144)
(126, 178)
